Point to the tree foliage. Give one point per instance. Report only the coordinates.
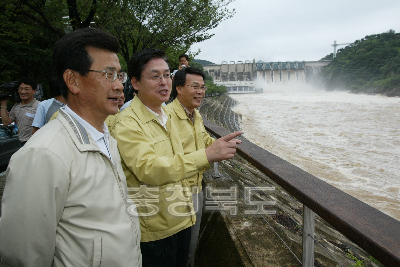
(30, 28)
(204, 62)
(370, 65)
(25, 42)
(170, 25)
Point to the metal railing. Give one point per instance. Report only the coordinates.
(375, 232)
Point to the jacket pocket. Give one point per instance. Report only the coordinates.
(96, 252)
(174, 207)
(185, 134)
(162, 146)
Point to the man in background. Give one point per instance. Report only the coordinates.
(47, 108)
(22, 113)
(65, 202)
(183, 63)
(155, 165)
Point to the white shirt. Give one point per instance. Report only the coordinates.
(101, 139)
(124, 106)
(162, 118)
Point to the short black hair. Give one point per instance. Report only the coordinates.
(28, 80)
(141, 58)
(54, 86)
(70, 52)
(184, 55)
(180, 75)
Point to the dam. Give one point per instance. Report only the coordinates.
(241, 77)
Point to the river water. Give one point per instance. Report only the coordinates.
(351, 141)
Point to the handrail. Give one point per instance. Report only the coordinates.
(372, 230)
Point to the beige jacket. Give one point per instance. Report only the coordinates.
(65, 203)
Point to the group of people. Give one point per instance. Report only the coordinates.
(80, 193)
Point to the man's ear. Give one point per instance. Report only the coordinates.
(179, 89)
(71, 81)
(135, 83)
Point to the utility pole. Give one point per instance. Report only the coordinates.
(334, 47)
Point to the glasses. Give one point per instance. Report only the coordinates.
(112, 75)
(157, 78)
(198, 88)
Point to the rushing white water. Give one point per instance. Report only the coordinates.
(351, 141)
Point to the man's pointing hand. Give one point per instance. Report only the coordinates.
(223, 148)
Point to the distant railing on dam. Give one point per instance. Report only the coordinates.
(375, 232)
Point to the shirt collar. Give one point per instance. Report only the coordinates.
(59, 102)
(30, 103)
(162, 118)
(94, 133)
(190, 115)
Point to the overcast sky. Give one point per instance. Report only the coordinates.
(294, 30)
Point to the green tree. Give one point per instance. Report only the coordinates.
(30, 28)
(170, 25)
(26, 44)
(370, 65)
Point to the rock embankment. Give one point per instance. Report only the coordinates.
(218, 109)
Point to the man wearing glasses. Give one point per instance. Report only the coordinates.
(155, 165)
(22, 113)
(66, 201)
(190, 89)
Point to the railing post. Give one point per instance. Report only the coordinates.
(216, 170)
(308, 236)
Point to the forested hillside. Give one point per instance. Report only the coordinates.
(369, 65)
(203, 62)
